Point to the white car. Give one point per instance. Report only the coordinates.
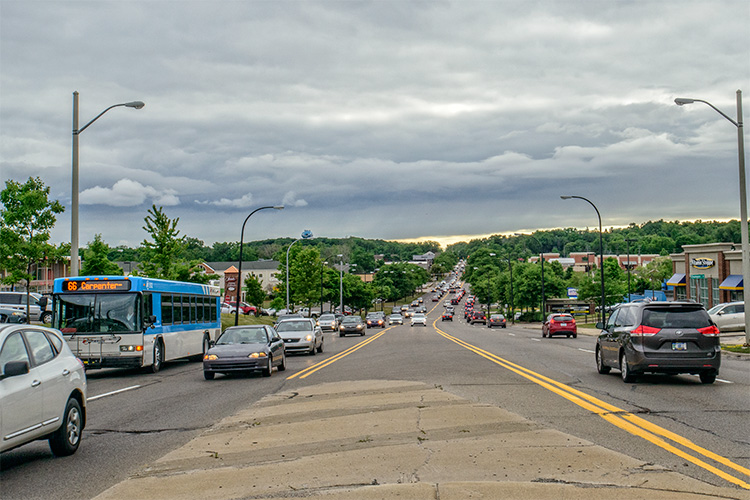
(395, 319)
(729, 316)
(42, 389)
(227, 308)
(418, 319)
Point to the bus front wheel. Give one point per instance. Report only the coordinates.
(158, 356)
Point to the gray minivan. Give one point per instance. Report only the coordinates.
(659, 337)
(39, 305)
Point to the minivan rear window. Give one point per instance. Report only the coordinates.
(675, 318)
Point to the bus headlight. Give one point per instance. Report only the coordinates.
(131, 348)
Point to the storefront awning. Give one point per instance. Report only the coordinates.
(677, 279)
(733, 282)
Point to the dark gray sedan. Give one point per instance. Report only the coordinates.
(245, 348)
(352, 324)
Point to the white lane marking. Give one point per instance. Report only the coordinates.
(586, 350)
(537, 340)
(512, 334)
(113, 392)
(718, 379)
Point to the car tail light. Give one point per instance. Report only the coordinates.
(709, 331)
(644, 330)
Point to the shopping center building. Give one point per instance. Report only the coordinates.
(709, 274)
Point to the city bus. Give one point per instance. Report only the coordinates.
(135, 322)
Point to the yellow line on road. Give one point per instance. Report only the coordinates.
(328, 361)
(616, 416)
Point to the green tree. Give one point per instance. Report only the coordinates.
(95, 260)
(26, 218)
(254, 292)
(164, 256)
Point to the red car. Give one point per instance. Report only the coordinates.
(560, 324)
(245, 308)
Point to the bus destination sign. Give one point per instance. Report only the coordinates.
(86, 286)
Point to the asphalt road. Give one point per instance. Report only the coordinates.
(156, 413)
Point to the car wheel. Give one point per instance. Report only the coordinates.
(269, 367)
(575, 335)
(600, 366)
(341, 334)
(65, 440)
(567, 336)
(313, 350)
(627, 375)
(708, 377)
(158, 356)
(208, 375)
(544, 334)
(46, 317)
(320, 349)
(282, 365)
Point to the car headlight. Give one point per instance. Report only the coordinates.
(359, 327)
(341, 327)
(258, 355)
(309, 338)
(210, 357)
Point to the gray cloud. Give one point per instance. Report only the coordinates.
(375, 119)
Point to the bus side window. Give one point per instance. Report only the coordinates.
(214, 308)
(199, 309)
(193, 311)
(166, 309)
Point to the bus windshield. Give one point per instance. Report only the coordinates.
(86, 313)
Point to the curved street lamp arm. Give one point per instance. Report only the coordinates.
(680, 102)
(134, 104)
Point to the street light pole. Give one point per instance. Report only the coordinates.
(341, 281)
(743, 200)
(601, 246)
(627, 243)
(74, 268)
(239, 265)
(322, 264)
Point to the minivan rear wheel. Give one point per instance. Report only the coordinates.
(627, 375)
(708, 377)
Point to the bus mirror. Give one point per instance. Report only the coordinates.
(151, 320)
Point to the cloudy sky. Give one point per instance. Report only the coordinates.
(378, 119)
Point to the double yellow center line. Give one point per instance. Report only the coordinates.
(618, 417)
(319, 366)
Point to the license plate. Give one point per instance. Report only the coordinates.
(679, 346)
(563, 324)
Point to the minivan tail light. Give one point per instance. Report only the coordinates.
(709, 331)
(645, 330)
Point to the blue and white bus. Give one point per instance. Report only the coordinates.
(131, 322)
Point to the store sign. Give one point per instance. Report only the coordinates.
(572, 293)
(702, 263)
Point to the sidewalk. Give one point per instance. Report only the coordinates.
(395, 439)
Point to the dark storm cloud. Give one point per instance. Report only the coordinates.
(375, 119)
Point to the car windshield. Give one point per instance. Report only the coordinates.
(419, 315)
(563, 317)
(294, 326)
(327, 317)
(243, 336)
(675, 318)
(351, 319)
(715, 309)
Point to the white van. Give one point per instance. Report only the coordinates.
(39, 305)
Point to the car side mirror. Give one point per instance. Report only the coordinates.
(600, 325)
(211, 343)
(15, 368)
(720, 313)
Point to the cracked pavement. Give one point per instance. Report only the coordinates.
(396, 439)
